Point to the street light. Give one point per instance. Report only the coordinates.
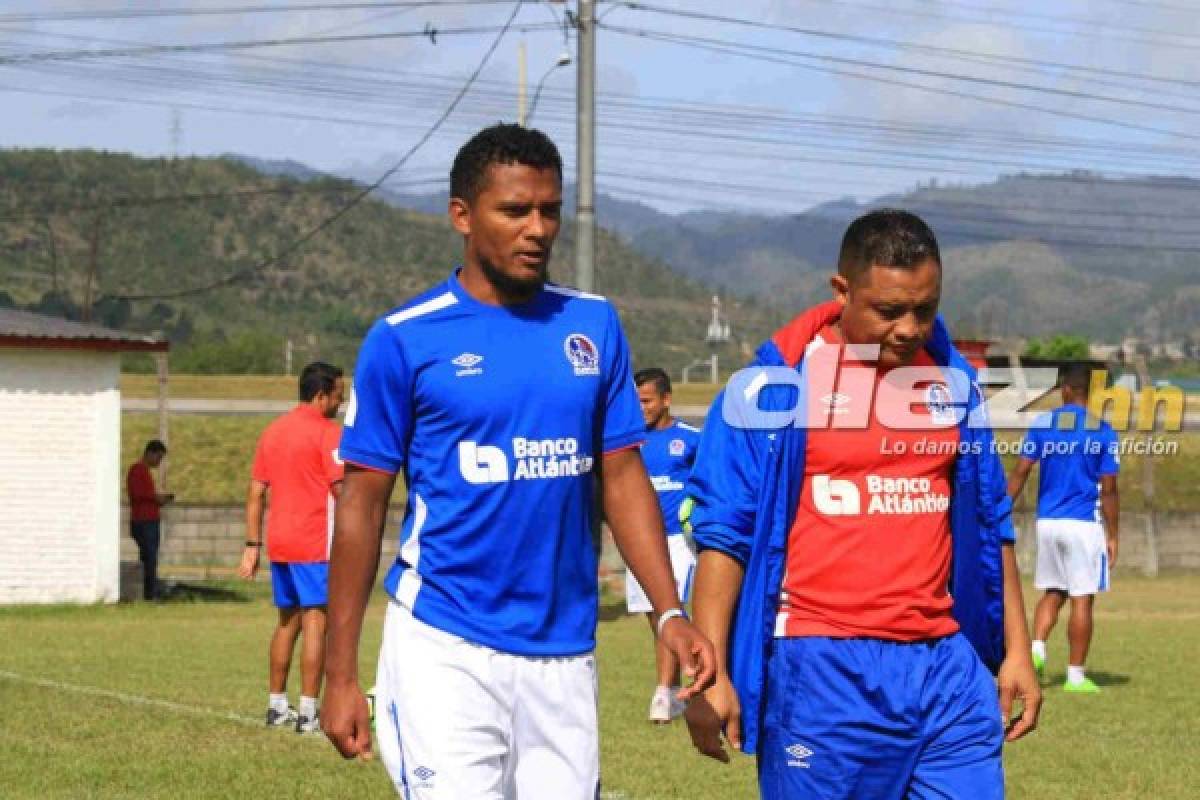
(564, 58)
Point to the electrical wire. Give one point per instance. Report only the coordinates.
(300, 241)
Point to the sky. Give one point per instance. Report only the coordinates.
(782, 105)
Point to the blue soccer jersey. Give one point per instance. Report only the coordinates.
(669, 455)
(1072, 460)
(496, 416)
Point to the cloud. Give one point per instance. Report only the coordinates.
(79, 109)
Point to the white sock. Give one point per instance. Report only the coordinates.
(278, 702)
(1075, 674)
(1039, 649)
(308, 706)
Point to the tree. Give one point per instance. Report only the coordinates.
(1060, 347)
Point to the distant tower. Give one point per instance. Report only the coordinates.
(716, 335)
(176, 131)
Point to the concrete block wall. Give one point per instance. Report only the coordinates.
(213, 536)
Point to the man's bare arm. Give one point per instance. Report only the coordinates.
(256, 496)
(718, 584)
(1110, 506)
(1020, 474)
(1016, 679)
(358, 532)
(632, 510)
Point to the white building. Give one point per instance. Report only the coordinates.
(60, 448)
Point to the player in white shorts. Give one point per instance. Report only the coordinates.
(1077, 518)
(497, 395)
(669, 452)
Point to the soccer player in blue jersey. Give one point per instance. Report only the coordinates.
(1078, 512)
(669, 452)
(498, 396)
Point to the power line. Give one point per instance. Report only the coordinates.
(920, 14)
(780, 56)
(161, 13)
(354, 201)
(929, 73)
(903, 45)
(212, 47)
(649, 103)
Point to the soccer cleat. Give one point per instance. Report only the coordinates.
(660, 707)
(677, 705)
(1039, 666)
(308, 724)
(1085, 686)
(279, 719)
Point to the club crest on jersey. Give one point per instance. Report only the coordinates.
(676, 447)
(582, 353)
(937, 400)
(468, 364)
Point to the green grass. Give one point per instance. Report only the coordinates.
(1135, 741)
(209, 457)
(228, 387)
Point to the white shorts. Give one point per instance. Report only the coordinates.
(1071, 556)
(458, 720)
(683, 564)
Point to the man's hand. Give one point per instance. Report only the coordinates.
(715, 712)
(1017, 680)
(696, 656)
(249, 565)
(1111, 546)
(346, 720)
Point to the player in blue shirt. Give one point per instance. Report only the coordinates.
(669, 452)
(1077, 517)
(499, 397)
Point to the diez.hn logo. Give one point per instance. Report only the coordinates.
(582, 353)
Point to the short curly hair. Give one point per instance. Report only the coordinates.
(500, 144)
(886, 238)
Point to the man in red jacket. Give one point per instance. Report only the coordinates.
(144, 515)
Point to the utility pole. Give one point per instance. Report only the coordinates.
(522, 80)
(585, 150)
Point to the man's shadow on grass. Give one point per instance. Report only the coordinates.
(184, 592)
(1100, 678)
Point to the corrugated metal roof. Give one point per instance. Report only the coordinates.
(24, 326)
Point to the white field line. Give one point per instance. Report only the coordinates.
(132, 699)
(180, 708)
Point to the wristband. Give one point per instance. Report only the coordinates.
(253, 544)
(670, 613)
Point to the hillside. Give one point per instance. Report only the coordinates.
(153, 229)
(1024, 255)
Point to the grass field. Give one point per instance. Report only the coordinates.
(210, 461)
(164, 701)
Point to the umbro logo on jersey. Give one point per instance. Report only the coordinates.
(468, 364)
(424, 776)
(836, 403)
(581, 352)
(798, 756)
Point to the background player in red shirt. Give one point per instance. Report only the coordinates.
(144, 515)
(296, 467)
